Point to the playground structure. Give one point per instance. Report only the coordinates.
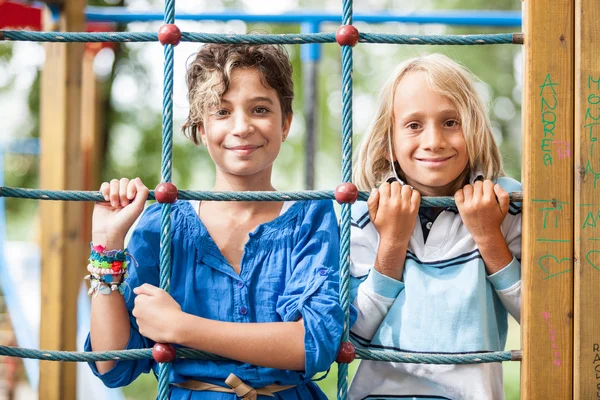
(561, 354)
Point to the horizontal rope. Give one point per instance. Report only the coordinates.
(500, 38)
(90, 356)
(305, 38)
(421, 358)
(87, 37)
(75, 195)
(301, 38)
(191, 354)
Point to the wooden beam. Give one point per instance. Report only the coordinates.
(586, 350)
(63, 261)
(547, 296)
(92, 132)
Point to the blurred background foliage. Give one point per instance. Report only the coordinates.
(131, 82)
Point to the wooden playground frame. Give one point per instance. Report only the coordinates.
(561, 256)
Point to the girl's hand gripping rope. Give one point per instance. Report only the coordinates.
(393, 209)
(156, 313)
(111, 220)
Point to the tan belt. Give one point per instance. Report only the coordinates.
(236, 386)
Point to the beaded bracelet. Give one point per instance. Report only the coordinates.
(102, 286)
(107, 262)
(115, 265)
(104, 267)
(105, 271)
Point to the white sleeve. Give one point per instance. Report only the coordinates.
(507, 281)
(371, 292)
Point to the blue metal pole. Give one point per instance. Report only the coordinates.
(310, 55)
(23, 146)
(462, 18)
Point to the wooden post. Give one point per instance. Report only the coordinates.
(92, 132)
(63, 261)
(586, 350)
(547, 295)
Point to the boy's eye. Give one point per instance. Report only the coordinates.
(414, 126)
(452, 123)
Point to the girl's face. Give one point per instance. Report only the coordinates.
(428, 140)
(244, 133)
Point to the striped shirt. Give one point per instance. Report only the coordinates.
(445, 303)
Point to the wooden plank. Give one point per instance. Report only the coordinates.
(586, 350)
(92, 135)
(547, 296)
(63, 262)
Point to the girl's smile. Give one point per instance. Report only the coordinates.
(243, 150)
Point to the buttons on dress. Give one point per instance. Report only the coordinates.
(322, 272)
(243, 310)
(240, 284)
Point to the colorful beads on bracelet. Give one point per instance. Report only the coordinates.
(114, 266)
(105, 262)
(104, 268)
(106, 271)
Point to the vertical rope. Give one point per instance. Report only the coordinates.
(166, 167)
(169, 12)
(167, 117)
(346, 177)
(347, 12)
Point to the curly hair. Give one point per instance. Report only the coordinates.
(209, 77)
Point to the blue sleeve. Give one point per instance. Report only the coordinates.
(144, 246)
(312, 293)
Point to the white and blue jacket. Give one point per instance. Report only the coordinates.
(445, 303)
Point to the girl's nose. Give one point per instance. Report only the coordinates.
(242, 125)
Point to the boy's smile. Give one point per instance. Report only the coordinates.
(434, 162)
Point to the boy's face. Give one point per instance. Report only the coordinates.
(244, 133)
(428, 140)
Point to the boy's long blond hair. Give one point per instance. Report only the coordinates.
(451, 80)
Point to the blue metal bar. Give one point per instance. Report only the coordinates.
(312, 52)
(462, 18)
(22, 146)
